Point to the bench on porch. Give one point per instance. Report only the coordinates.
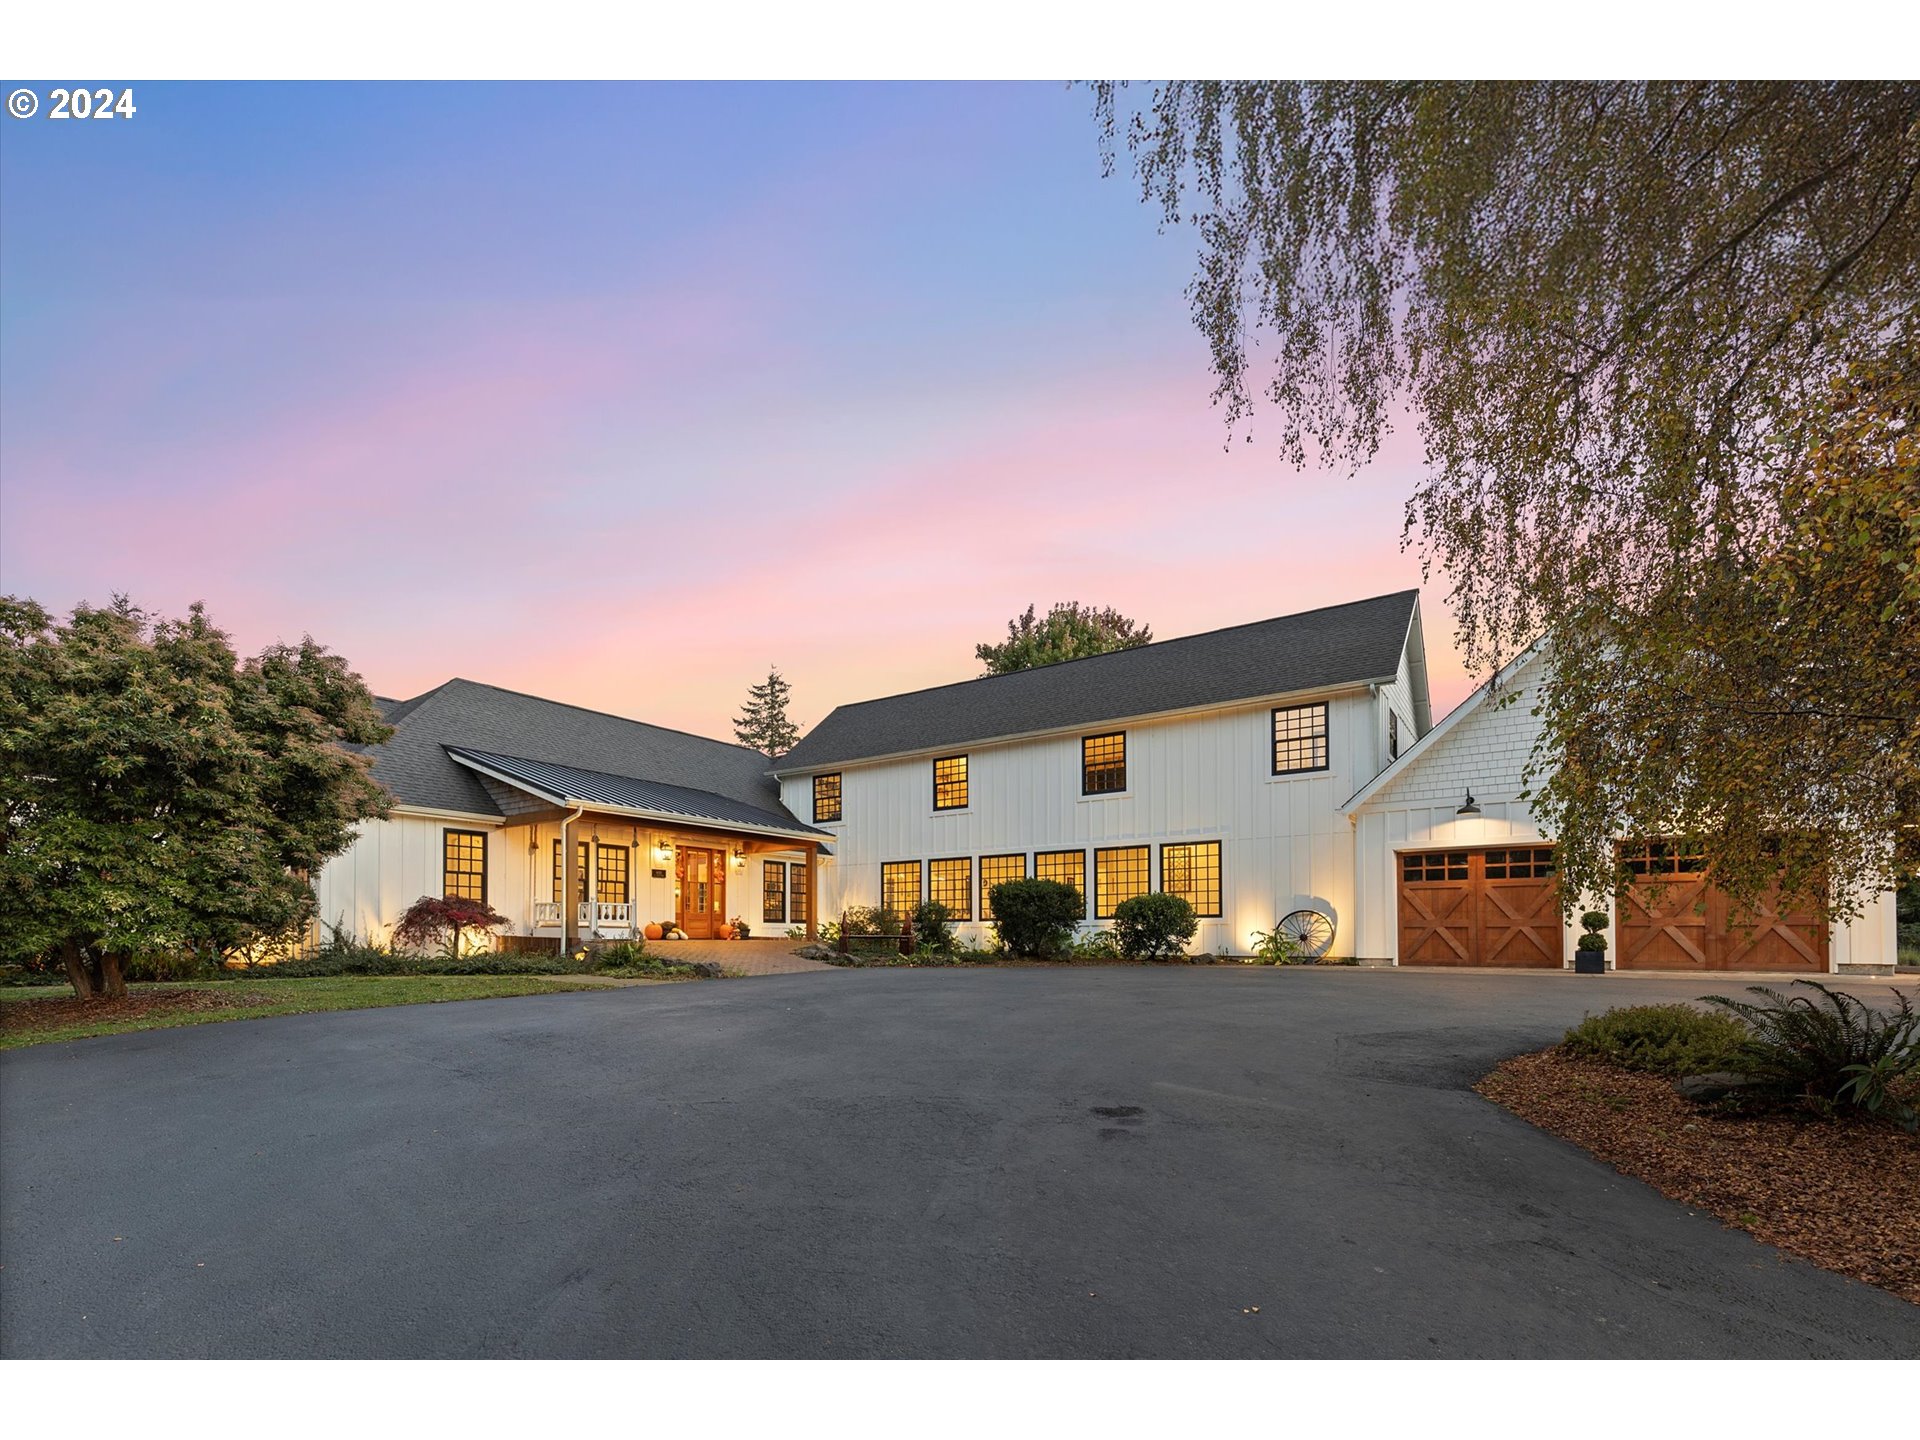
(904, 938)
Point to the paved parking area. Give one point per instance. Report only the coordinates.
(1109, 1162)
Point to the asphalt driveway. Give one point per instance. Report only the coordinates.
(1119, 1162)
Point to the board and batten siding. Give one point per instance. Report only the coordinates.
(393, 862)
(1193, 777)
(1486, 751)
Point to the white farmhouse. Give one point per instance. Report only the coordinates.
(1286, 770)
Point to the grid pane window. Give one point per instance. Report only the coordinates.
(950, 883)
(1119, 875)
(1300, 738)
(900, 887)
(1193, 873)
(996, 870)
(463, 865)
(797, 902)
(1435, 865)
(773, 891)
(950, 783)
(1665, 857)
(610, 873)
(1069, 867)
(1103, 764)
(559, 872)
(826, 798)
(1533, 862)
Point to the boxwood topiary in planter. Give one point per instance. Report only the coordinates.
(1590, 952)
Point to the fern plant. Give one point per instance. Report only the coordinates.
(1834, 1051)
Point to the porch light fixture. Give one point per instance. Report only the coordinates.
(1472, 807)
(663, 851)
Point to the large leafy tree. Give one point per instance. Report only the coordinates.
(762, 723)
(161, 796)
(1069, 631)
(1661, 342)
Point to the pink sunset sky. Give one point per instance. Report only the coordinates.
(620, 394)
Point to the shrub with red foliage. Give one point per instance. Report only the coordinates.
(431, 919)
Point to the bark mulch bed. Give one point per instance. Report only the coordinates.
(29, 1016)
(1844, 1194)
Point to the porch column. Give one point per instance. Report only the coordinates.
(569, 919)
(813, 889)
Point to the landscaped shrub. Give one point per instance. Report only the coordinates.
(1153, 926)
(1834, 1052)
(432, 920)
(1665, 1039)
(1036, 917)
(933, 927)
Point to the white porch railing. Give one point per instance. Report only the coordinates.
(591, 915)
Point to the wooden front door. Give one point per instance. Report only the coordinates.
(700, 905)
(1480, 907)
(1673, 917)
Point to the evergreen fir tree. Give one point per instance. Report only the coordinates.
(762, 722)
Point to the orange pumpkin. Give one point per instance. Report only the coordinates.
(653, 932)
(725, 932)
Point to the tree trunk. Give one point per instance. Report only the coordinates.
(76, 964)
(113, 980)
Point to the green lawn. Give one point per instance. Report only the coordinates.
(157, 1007)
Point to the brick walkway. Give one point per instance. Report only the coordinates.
(741, 957)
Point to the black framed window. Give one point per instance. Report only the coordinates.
(950, 883)
(997, 870)
(950, 783)
(559, 874)
(773, 891)
(463, 865)
(1192, 871)
(1120, 874)
(1300, 738)
(900, 887)
(826, 798)
(1393, 734)
(1069, 867)
(797, 894)
(1103, 763)
(610, 873)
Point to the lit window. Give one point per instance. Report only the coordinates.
(997, 870)
(1300, 738)
(826, 799)
(1119, 874)
(900, 887)
(950, 783)
(610, 873)
(1193, 873)
(773, 891)
(950, 883)
(1103, 764)
(463, 865)
(1069, 867)
(797, 904)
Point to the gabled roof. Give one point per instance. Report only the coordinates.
(1411, 757)
(1319, 649)
(567, 786)
(416, 768)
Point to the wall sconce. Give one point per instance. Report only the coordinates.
(1472, 807)
(662, 851)
(739, 859)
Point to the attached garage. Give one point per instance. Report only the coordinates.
(1674, 918)
(1494, 907)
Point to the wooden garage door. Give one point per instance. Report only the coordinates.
(1676, 918)
(1480, 907)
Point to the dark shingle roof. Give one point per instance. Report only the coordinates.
(1342, 644)
(624, 792)
(415, 766)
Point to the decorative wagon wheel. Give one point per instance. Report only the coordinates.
(1310, 931)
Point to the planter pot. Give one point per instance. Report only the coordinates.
(1589, 962)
